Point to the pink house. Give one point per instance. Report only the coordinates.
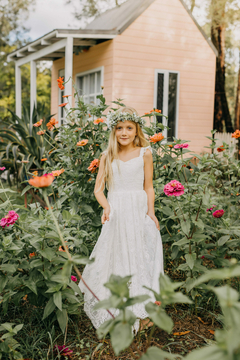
(151, 53)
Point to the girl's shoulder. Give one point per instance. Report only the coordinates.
(145, 150)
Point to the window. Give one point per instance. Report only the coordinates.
(61, 111)
(89, 85)
(166, 98)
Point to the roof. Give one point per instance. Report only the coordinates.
(120, 17)
(105, 27)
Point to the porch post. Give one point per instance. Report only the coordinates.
(33, 88)
(18, 91)
(69, 68)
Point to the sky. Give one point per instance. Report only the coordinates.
(50, 15)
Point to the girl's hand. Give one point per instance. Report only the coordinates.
(153, 217)
(105, 215)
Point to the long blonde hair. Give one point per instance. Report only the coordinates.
(113, 146)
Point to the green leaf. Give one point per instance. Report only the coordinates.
(121, 337)
(62, 319)
(159, 317)
(185, 225)
(10, 268)
(212, 352)
(57, 299)
(66, 272)
(223, 240)
(75, 288)
(49, 308)
(32, 286)
(104, 328)
(154, 353)
(66, 215)
(190, 259)
(28, 187)
(54, 289)
(136, 300)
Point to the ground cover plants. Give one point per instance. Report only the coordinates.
(45, 244)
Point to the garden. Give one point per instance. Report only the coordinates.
(50, 222)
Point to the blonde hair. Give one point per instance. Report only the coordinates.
(113, 146)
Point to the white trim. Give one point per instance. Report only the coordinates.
(87, 36)
(18, 91)
(43, 52)
(165, 96)
(33, 88)
(101, 69)
(69, 68)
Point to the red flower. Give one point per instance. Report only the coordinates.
(218, 213)
(62, 105)
(220, 149)
(94, 165)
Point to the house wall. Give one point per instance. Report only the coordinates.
(165, 37)
(97, 56)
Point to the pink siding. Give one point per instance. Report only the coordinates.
(165, 37)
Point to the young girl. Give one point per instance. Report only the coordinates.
(130, 241)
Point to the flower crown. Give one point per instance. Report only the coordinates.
(114, 117)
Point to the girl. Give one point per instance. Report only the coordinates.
(130, 241)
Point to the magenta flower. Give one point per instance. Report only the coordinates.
(10, 219)
(210, 209)
(202, 257)
(218, 213)
(181, 146)
(2, 168)
(65, 351)
(73, 278)
(174, 188)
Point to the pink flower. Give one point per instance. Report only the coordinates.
(2, 168)
(65, 351)
(218, 213)
(73, 278)
(181, 146)
(3, 222)
(203, 257)
(174, 188)
(210, 209)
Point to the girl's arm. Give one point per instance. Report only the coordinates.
(98, 191)
(148, 186)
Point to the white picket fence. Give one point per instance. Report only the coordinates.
(227, 138)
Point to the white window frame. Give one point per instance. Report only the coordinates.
(165, 97)
(60, 119)
(88, 72)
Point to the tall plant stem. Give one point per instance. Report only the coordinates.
(66, 250)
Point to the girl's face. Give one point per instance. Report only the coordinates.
(125, 132)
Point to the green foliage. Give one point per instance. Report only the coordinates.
(8, 344)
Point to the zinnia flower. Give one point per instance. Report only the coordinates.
(43, 159)
(73, 278)
(60, 83)
(42, 181)
(156, 138)
(82, 142)
(62, 105)
(153, 110)
(32, 255)
(9, 219)
(57, 172)
(2, 168)
(66, 96)
(94, 165)
(63, 350)
(158, 303)
(236, 134)
(98, 121)
(51, 124)
(211, 208)
(35, 173)
(218, 213)
(62, 249)
(42, 132)
(3, 222)
(202, 257)
(174, 188)
(220, 149)
(39, 123)
(181, 146)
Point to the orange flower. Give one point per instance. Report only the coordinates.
(171, 146)
(44, 159)
(220, 149)
(35, 173)
(47, 208)
(236, 134)
(98, 121)
(39, 123)
(153, 110)
(32, 255)
(60, 83)
(93, 166)
(62, 249)
(62, 105)
(158, 303)
(82, 142)
(42, 181)
(66, 96)
(78, 129)
(57, 172)
(25, 296)
(42, 132)
(51, 124)
(156, 138)
(191, 170)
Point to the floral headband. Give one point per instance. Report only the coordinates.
(114, 117)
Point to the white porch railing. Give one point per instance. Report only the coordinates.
(227, 138)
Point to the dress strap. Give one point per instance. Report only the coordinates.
(144, 149)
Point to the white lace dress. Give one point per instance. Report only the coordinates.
(129, 243)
